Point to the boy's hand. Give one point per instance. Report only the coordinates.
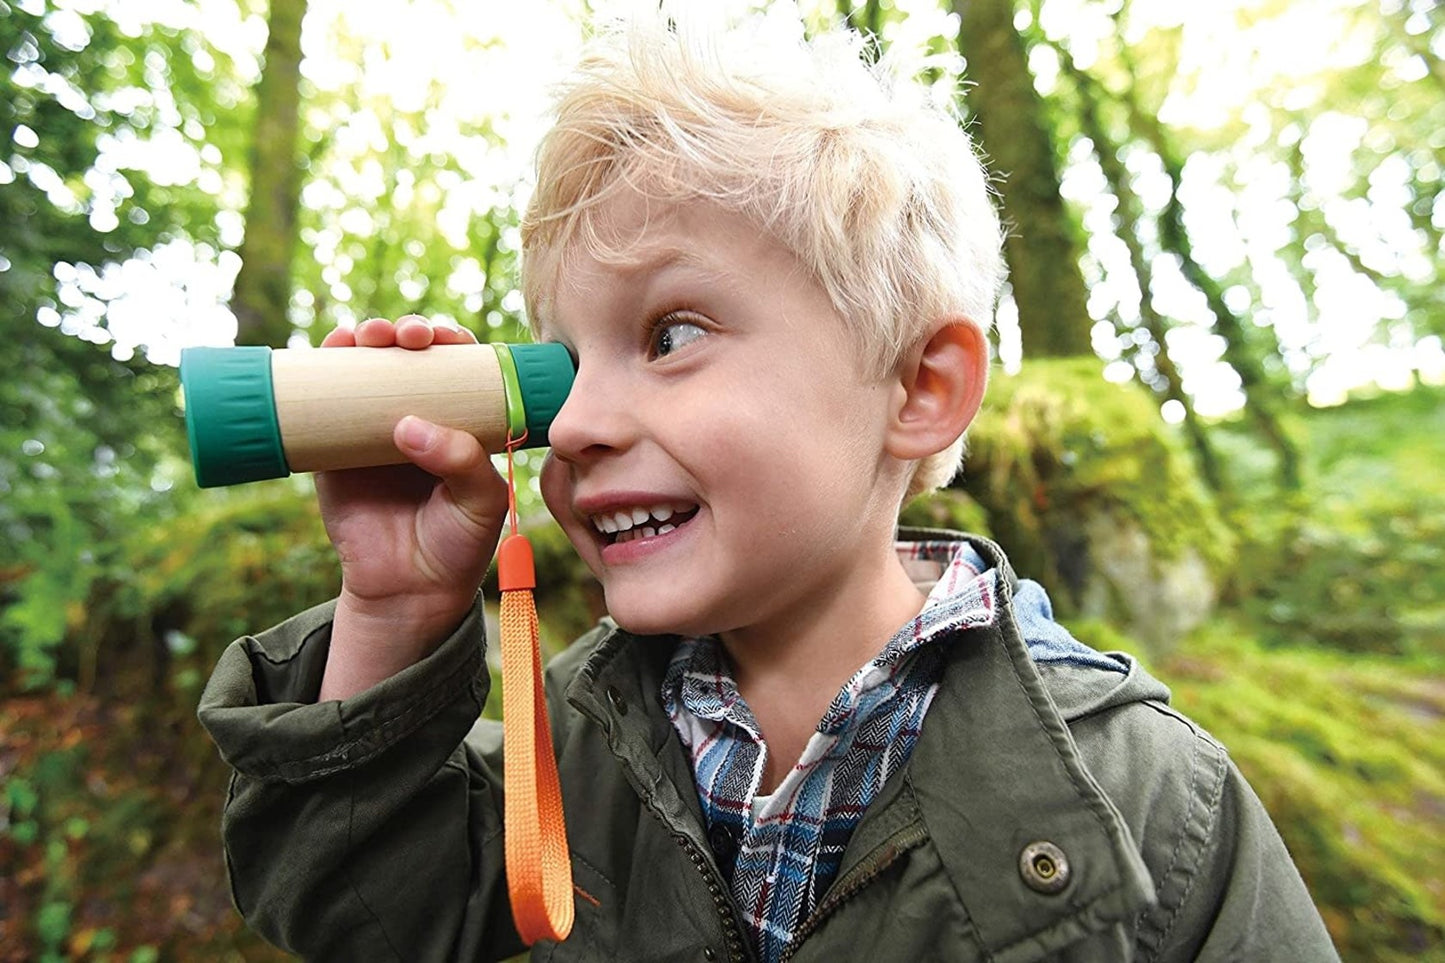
(414, 540)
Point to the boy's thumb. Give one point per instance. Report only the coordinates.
(415, 436)
(458, 459)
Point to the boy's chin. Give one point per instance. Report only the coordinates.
(653, 618)
(646, 624)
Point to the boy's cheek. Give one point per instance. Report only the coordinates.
(556, 489)
(556, 483)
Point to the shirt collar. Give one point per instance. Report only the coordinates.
(962, 596)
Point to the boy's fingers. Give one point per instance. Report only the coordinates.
(409, 331)
(444, 335)
(413, 331)
(375, 333)
(461, 462)
(339, 338)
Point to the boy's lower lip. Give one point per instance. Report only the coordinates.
(637, 549)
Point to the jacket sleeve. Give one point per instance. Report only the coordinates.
(1245, 899)
(367, 829)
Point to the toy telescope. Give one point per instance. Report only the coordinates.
(255, 413)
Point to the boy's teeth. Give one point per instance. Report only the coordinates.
(625, 520)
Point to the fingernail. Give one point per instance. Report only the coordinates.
(417, 434)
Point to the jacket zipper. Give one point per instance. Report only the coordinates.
(858, 877)
(722, 902)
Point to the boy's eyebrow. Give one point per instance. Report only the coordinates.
(653, 263)
(671, 257)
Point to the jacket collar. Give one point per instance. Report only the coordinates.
(994, 770)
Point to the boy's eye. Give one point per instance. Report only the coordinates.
(672, 334)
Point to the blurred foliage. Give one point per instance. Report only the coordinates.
(1362, 566)
(405, 210)
(238, 558)
(81, 456)
(1311, 175)
(948, 508)
(1324, 675)
(108, 817)
(109, 771)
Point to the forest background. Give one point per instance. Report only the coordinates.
(1215, 432)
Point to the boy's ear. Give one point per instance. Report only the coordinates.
(938, 391)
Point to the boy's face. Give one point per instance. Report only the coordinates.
(719, 463)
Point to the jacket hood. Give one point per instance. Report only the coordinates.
(1080, 692)
(1080, 680)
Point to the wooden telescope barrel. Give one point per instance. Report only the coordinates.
(255, 413)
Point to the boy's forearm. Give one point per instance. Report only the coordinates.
(371, 642)
(350, 827)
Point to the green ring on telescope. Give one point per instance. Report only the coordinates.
(512, 389)
(231, 415)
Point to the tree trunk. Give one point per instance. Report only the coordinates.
(1130, 213)
(1261, 400)
(1041, 247)
(263, 286)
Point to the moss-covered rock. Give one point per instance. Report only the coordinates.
(1090, 493)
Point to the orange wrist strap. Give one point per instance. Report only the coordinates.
(539, 868)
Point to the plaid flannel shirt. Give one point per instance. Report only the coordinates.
(781, 858)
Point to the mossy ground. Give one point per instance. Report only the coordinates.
(1324, 671)
(1325, 675)
(1347, 752)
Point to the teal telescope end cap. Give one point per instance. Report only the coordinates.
(544, 373)
(231, 415)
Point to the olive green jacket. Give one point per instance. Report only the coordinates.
(1048, 812)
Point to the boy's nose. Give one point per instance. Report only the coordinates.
(593, 420)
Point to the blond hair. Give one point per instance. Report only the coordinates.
(875, 188)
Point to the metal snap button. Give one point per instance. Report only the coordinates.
(723, 843)
(614, 696)
(1044, 867)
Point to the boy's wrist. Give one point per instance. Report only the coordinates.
(412, 616)
(374, 639)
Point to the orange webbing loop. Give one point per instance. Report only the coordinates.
(539, 868)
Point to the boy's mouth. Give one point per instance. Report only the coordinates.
(642, 521)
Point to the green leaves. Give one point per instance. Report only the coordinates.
(89, 440)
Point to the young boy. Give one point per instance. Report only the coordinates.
(795, 739)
